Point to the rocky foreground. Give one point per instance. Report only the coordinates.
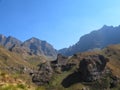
(87, 69)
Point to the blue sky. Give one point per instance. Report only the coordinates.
(59, 22)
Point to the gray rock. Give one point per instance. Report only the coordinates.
(92, 67)
(43, 75)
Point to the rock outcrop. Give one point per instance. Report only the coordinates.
(93, 67)
(61, 64)
(61, 60)
(43, 75)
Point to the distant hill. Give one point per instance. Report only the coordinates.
(101, 38)
(31, 46)
(39, 47)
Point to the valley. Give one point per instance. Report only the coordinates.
(93, 63)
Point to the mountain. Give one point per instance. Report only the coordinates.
(31, 46)
(101, 38)
(39, 47)
(2, 39)
(9, 41)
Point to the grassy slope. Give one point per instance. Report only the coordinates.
(113, 53)
(8, 59)
(11, 72)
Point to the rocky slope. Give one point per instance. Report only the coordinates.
(15, 70)
(101, 38)
(12, 62)
(93, 70)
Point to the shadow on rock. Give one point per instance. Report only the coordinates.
(72, 79)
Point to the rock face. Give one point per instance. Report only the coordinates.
(61, 64)
(92, 67)
(61, 60)
(43, 75)
(101, 38)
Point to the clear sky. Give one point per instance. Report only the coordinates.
(59, 22)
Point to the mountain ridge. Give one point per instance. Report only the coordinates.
(100, 38)
(40, 47)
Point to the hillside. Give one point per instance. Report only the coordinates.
(113, 53)
(91, 70)
(9, 61)
(107, 35)
(15, 70)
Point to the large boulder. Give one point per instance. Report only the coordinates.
(43, 75)
(92, 67)
(60, 64)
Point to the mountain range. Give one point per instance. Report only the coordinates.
(31, 46)
(98, 39)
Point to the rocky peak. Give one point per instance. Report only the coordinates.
(2, 39)
(33, 40)
(39, 47)
(11, 41)
(2, 36)
(107, 27)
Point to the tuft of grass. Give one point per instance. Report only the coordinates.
(40, 88)
(22, 86)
